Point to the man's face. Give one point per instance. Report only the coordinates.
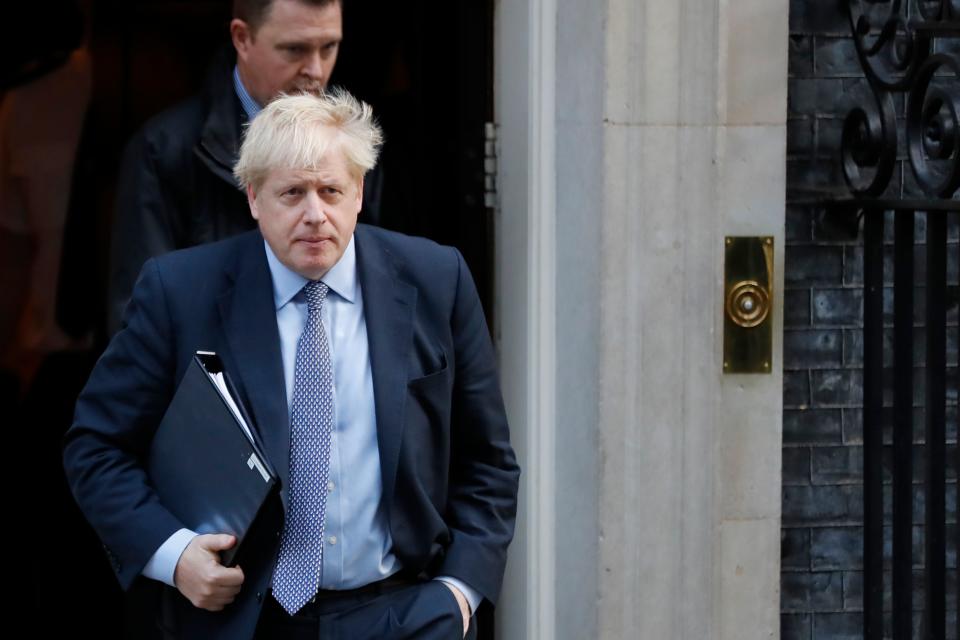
(293, 51)
(308, 217)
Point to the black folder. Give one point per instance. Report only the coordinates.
(206, 468)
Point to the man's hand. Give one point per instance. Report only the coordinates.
(464, 605)
(202, 579)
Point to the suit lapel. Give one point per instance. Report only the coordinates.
(388, 305)
(250, 327)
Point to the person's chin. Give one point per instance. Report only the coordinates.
(314, 262)
(312, 270)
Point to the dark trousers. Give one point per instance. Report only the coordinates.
(394, 611)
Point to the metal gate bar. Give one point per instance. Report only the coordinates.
(935, 406)
(873, 424)
(903, 424)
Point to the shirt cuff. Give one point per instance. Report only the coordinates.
(163, 563)
(473, 598)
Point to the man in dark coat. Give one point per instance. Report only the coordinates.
(176, 187)
(365, 362)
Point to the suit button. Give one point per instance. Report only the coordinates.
(259, 596)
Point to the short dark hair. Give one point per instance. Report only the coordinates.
(254, 12)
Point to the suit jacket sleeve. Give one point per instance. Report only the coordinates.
(114, 421)
(484, 474)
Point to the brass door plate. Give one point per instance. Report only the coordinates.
(747, 304)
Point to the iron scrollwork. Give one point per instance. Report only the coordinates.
(894, 42)
(869, 146)
(933, 128)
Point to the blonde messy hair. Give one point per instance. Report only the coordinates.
(297, 132)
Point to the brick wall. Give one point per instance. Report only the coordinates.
(822, 536)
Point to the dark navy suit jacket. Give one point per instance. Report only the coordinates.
(449, 473)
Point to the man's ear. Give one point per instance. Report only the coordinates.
(242, 36)
(360, 195)
(252, 201)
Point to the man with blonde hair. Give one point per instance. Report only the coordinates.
(367, 365)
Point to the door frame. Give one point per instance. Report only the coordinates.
(525, 291)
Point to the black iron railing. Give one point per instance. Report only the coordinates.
(904, 51)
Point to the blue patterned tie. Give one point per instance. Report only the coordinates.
(297, 576)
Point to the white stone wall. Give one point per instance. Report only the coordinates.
(660, 474)
(690, 475)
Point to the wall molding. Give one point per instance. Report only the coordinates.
(524, 88)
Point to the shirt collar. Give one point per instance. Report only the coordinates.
(341, 278)
(249, 105)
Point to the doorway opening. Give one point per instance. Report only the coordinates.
(425, 67)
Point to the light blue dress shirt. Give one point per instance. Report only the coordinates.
(249, 105)
(356, 548)
(356, 536)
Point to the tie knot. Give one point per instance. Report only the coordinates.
(316, 292)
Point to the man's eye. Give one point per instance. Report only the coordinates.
(293, 191)
(294, 49)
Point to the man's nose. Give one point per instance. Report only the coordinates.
(313, 66)
(314, 212)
